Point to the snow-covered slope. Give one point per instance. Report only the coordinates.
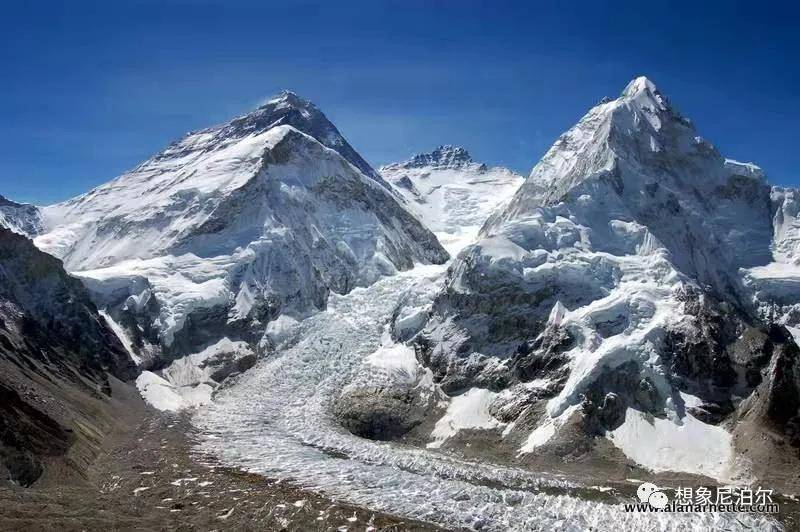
(610, 288)
(452, 194)
(776, 285)
(234, 226)
(786, 246)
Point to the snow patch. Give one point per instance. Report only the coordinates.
(158, 392)
(119, 331)
(469, 410)
(397, 359)
(187, 381)
(545, 431)
(672, 445)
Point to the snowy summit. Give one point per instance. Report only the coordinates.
(452, 194)
(231, 228)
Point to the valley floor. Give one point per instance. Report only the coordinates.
(149, 479)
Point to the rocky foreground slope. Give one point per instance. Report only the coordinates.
(57, 357)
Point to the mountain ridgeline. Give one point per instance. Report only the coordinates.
(235, 230)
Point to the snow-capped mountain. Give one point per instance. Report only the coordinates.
(234, 230)
(452, 194)
(22, 218)
(609, 296)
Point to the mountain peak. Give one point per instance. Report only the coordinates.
(286, 98)
(4, 201)
(22, 218)
(643, 93)
(639, 130)
(285, 108)
(284, 103)
(638, 85)
(450, 192)
(445, 156)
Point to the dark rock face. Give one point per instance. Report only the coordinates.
(543, 356)
(381, 413)
(56, 353)
(26, 435)
(712, 413)
(725, 355)
(204, 327)
(616, 390)
(406, 183)
(55, 309)
(442, 157)
(226, 364)
(783, 387)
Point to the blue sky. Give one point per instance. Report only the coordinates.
(90, 89)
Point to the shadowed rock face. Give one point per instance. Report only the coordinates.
(28, 434)
(54, 308)
(56, 353)
(381, 413)
(782, 386)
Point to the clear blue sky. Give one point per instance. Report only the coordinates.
(90, 89)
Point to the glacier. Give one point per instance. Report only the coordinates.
(276, 420)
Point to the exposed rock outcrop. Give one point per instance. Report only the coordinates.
(56, 358)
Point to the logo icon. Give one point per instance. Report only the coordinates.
(650, 494)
